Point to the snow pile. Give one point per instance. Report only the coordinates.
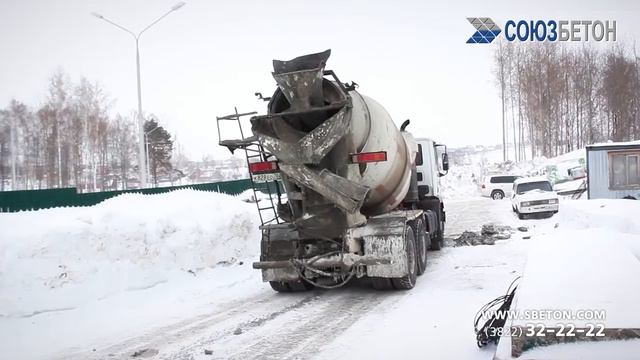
(62, 258)
(588, 260)
(462, 182)
(616, 215)
(581, 269)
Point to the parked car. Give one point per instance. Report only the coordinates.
(533, 196)
(497, 186)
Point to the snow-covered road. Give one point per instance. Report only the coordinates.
(226, 311)
(434, 318)
(263, 326)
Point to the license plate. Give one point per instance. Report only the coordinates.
(266, 177)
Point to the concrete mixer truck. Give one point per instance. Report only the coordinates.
(357, 197)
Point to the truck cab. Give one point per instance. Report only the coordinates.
(431, 163)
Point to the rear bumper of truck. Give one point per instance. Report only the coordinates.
(381, 243)
(288, 270)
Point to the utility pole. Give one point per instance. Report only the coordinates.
(504, 130)
(142, 164)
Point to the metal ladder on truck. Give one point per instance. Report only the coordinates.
(254, 152)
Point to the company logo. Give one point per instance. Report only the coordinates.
(541, 30)
(486, 31)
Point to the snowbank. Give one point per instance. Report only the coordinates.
(460, 183)
(592, 255)
(616, 215)
(609, 143)
(60, 259)
(582, 269)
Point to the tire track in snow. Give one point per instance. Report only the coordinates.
(265, 326)
(222, 321)
(309, 328)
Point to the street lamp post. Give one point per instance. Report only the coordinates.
(141, 146)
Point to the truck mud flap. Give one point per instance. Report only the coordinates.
(384, 237)
(279, 244)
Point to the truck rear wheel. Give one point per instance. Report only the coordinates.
(421, 245)
(408, 281)
(290, 286)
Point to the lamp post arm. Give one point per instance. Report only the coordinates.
(116, 25)
(153, 23)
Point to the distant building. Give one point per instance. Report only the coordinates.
(613, 170)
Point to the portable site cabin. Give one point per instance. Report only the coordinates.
(613, 170)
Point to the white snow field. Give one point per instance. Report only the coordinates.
(169, 277)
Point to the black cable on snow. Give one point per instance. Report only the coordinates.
(488, 333)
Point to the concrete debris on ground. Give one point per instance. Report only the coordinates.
(487, 235)
(496, 230)
(470, 238)
(145, 353)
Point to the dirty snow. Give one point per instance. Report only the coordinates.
(170, 275)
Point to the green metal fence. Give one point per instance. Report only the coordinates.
(12, 201)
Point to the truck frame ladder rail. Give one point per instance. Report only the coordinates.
(254, 153)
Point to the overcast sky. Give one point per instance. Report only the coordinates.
(210, 56)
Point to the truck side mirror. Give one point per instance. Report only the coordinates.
(445, 162)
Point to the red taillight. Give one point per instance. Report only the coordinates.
(263, 167)
(369, 157)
